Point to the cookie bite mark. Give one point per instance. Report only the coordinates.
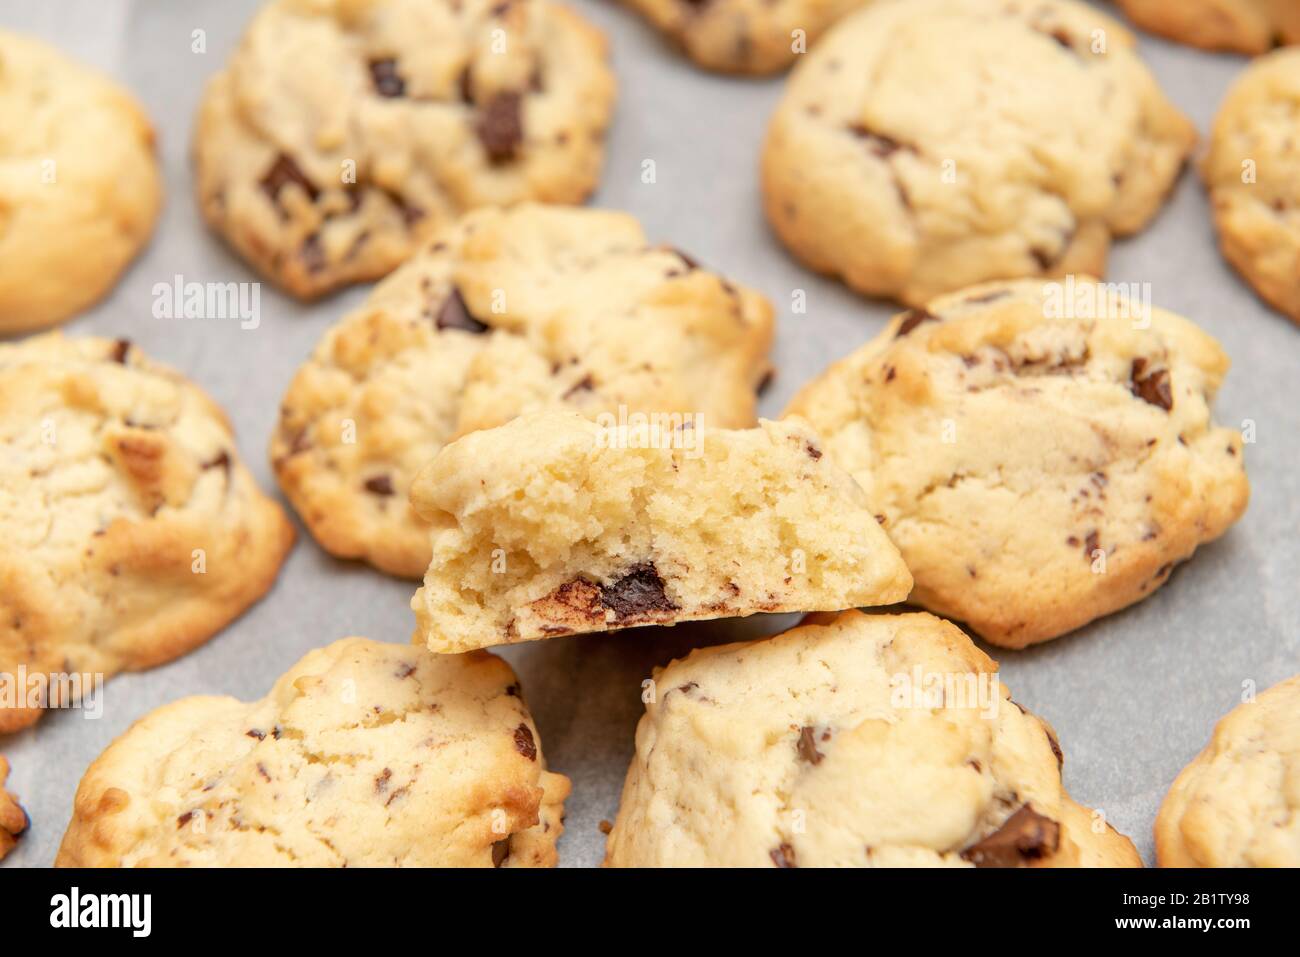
(554, 505)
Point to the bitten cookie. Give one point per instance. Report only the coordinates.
(855, 741)
(1252, 170)
(504, 312)
(363, 755)
(925, 145)
(80, 188)
(743, 36)
(1042, 453)
(555, 525)
(1238, 803)
(13, 820)
(1245, 26)
(130, 531)
(342, 133)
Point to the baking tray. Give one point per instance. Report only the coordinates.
(1133, 696)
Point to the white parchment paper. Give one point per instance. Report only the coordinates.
(1133, 696)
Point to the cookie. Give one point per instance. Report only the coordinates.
(743, 36)
(926, 145)
(1042, 453)
(1252, 172)
(81, 187)
(1235, 804)
(852, 741)
(557, 525)
(1243, 26)
(343, 133)
(130, 531)
(13, 819)
(363, 755)
(504, 312)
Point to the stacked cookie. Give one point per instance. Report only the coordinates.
(551, 418)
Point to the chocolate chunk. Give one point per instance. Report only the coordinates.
(524, 742)
(380, 485)
(221, 461)
(500, 852)
(255, 733)
(454, 314)
(388, 82)
(1151, 387)
(500, 126)
(783, 856)
(690, 261)
(912, 319)
(120, 349)
(1056, 747)
(814, 453)
(639, 592)
(312, 253)
(881, 145)
(283, 172)
(184, 819)
(1026, 836)
(585, 384)
(807, 746)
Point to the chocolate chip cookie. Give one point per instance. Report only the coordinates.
(852, 741)
(505, 312)
(1244, 26)
(13, 820)
(925, 145)
(363, 755)
(743, 36)
(556, 525)
(80, 189)
(1252, 170)
(130, 530)
(1042, 454)
(342, 133)
(1238, 803)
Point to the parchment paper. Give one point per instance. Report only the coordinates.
(1133, 696)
